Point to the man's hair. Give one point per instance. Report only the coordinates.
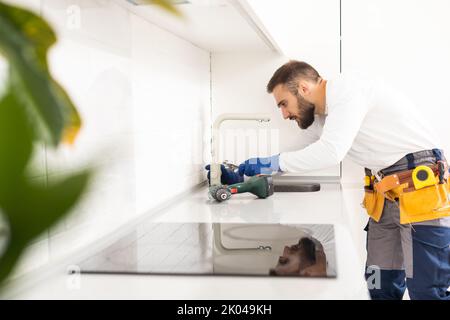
(309, 249)
(290, 73)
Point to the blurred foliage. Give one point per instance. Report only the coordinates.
(34, 108)
(25, 40)
(166, 5)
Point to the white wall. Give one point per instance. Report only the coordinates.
(304, 30)
(407, 42)
(144, 98)
(171, 92)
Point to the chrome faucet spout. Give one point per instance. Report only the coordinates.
(215, 172)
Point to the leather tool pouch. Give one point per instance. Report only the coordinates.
(373, 202)
(425, 204)
(416, 205)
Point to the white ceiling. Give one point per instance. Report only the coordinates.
(213, 25)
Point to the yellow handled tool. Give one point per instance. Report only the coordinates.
(368, 181)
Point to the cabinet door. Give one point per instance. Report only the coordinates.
(407, 42)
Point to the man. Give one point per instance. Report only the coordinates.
(409, 227)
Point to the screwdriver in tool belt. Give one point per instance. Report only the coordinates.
(445, 201)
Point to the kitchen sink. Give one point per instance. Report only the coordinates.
(300, 187)
(285, 183)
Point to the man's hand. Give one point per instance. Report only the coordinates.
(254, 166)
(228, 176)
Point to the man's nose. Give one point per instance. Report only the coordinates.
(285, 113)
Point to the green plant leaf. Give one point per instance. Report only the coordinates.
(166, 5)
(24, 40)
(73, 119)
(28, 208)
(31, 209)
(31, 30)
(37, 207)
(16, 140)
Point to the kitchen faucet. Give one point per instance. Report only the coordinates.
(215, 171)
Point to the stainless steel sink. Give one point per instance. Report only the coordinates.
(301, 187)
(285, 183)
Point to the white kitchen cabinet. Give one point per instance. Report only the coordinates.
(212, 25)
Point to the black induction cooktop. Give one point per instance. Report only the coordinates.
(296, 250)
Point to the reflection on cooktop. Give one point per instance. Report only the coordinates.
(220, 249)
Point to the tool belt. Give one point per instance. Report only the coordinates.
(420, 192)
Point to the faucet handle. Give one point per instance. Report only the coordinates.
(230, 166)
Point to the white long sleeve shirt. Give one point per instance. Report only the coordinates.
(367, 120)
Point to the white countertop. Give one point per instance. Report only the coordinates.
(323, 207)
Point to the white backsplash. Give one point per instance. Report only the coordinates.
(144, 98)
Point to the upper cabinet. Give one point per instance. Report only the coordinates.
(299, 29)
(213, 25)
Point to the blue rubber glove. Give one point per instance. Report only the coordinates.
(228, 176)
(254, 166)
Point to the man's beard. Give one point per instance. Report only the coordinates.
(306, 111)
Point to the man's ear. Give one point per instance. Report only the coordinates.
(303, 88)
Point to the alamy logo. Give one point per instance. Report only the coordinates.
(73, 21)
(74, 277)
(373, 277)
